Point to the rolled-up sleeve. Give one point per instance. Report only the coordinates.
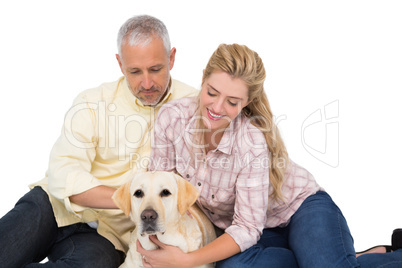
(72, 155)
(251, 201)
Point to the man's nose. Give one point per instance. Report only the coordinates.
(147, 81)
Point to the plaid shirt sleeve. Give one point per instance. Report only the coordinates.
(251, 195)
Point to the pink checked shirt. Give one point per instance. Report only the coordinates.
(233, 179)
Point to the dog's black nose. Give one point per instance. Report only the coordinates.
(149, 215)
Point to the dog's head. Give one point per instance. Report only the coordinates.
(155, 200)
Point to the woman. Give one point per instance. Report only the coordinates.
(272, 211)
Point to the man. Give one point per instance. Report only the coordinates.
(69, 216)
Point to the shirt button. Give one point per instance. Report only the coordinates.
(187, 176)
(199, 184)
(213, 196)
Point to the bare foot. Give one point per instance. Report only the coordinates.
(378, 249)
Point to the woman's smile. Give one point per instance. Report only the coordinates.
(214, 116)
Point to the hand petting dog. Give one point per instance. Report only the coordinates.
(164, 256)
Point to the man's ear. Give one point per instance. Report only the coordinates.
(187, 194)
(172, 58)
(120, 64)
(122, 198)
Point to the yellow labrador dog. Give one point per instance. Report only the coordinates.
(157, 202)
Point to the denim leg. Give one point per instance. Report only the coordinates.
(79, 245)
(381, 260)
(270, 251)
(29, 233)
(28, 230)
(274, 237)
(319, 235)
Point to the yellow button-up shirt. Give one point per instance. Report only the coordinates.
(105, 138)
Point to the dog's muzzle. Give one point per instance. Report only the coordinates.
(148, 218)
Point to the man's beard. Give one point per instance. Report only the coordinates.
(149, 100)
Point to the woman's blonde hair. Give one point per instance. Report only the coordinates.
(241, 62)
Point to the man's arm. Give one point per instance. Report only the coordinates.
(70, 164)
(98, 197)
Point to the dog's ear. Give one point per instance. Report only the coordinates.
(187, 194)
(122, 198)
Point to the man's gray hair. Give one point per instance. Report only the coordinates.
(140, 30)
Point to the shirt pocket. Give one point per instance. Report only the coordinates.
(221, 200)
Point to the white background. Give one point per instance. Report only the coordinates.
(345, 55)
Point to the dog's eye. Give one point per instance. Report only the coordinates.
(165, 193)
(139, 194)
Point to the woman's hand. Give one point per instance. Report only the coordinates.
(165, 256)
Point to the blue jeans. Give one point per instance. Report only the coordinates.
(29, 233)
(316, 236)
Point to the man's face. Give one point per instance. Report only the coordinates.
(147, 70)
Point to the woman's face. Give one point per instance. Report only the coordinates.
(222, 99)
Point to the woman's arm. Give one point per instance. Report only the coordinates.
(170, 256)
(221, 248)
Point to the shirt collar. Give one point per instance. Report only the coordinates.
(229, 136)
(226, 144)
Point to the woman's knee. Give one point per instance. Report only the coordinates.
(319, 235)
